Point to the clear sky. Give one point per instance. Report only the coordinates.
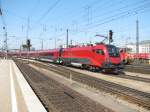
(49, 19)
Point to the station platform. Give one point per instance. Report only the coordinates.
(15, 93)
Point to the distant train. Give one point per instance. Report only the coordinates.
(98, 57)
(128, 58)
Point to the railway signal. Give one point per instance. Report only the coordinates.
(28, 44)
(110, 36)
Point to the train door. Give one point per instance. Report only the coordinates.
(99, 55)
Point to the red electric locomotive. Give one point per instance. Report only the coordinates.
(105, 57)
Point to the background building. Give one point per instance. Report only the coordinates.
(144, 47)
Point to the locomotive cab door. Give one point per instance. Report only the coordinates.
(99, 55)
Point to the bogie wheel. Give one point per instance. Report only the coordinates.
(84, 66)
(92, 68)
(116, 71)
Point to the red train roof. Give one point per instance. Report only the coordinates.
(99, 46)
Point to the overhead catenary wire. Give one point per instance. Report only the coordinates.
(47, 12)
(33, 8)
(136, 10)
(71, 12)
(92, 4)
(49, 9)
(119, 13)
(104, 4)
(99, 19)
(119, 16)
(113, 17)
(116, 10)
(15, 15)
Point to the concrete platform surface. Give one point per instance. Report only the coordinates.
(15, 93)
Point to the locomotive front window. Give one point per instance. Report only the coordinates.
(99, 51)
(113, 51)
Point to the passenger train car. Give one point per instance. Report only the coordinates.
(98, 57)
(129, 58)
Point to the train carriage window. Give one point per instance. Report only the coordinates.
(51, 54)
(99, 51)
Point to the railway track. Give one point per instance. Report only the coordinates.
(137, 97)
(138, 68)
(132, 78)
(121, 75)
(57, 97)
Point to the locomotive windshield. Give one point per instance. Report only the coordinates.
(113, 51)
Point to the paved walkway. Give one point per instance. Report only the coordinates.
(5, 91)
(15, 93)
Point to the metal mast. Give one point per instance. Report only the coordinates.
(28, 27)
(67, 39)
(5, 31)
(137, 36)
